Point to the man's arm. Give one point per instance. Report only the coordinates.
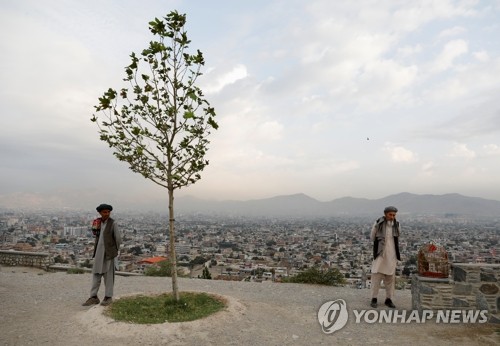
(374, 230)
(116, 233)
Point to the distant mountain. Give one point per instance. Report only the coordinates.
(301, 205)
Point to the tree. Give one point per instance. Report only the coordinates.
(60, 259)
(406, 271)
(198, 260)
(159, 126)
(206, 274)
(136, 250)
(411, 261)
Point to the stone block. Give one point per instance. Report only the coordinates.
(481, 302)
(494, 319)
(489, 289)
(488, 277)
(459, 303)
(459, 275)
(462, 289)
(473, 277)
(424, 289)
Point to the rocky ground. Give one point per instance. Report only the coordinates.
(40, 308)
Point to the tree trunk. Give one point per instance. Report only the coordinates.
(173, 256)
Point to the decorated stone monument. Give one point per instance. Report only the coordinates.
(433, 261)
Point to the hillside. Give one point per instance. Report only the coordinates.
(301, 205)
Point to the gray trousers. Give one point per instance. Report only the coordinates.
(109, 282)
(388, 280)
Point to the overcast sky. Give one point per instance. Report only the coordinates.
(327, 98)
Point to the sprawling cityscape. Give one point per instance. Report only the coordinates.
(238, 248)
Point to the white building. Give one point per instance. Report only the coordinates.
(75, 231)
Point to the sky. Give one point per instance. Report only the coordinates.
(327, 98)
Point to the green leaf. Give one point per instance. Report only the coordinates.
(212, 123)
(188, 115)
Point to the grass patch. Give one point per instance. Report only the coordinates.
(164, 308)
(75, 271)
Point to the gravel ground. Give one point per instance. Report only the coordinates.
(40, 308)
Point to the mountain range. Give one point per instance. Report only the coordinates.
(301, 205)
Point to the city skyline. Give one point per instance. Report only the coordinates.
(329, 99)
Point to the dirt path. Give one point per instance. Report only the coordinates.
(39, 308)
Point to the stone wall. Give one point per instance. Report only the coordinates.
(470, 287)
(26, 259)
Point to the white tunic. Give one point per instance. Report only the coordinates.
(101, 264)
(385, 263)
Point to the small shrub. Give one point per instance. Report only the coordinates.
(75, 271)
(87, 264)
(330, 277)
(400, 283)
(164, 268)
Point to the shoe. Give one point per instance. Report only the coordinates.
(106, 301)
(373, 303)
(91, 301)
(389, 303)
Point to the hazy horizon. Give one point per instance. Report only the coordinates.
(330, 99)
(297, 205)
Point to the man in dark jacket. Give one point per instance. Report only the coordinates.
(107, 243)
(385, 237)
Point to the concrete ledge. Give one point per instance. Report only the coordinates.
(436, 280)
(25, 259)
(21, 253)
(62, 268)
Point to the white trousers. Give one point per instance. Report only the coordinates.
(388, 280)
(109, 282)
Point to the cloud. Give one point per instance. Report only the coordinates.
(297, 88)
(482, 56)
(218, 80)
(455, 31)
(491, 150)
(400, 154)
(460, 150)
(344, 166)
(383, 84)
(428, 168)
(407, 51)
(270, 130)
(451, 51)
(469, 122)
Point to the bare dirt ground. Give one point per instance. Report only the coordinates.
(40, 308)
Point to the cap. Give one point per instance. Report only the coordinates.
(390, 209)
(104, 206)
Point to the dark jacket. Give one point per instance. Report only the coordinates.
(110, 244)
(379, 241)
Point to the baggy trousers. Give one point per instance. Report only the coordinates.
(388, 283)
(109, 282)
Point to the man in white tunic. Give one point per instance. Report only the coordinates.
(108, 242)
(385, 237)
